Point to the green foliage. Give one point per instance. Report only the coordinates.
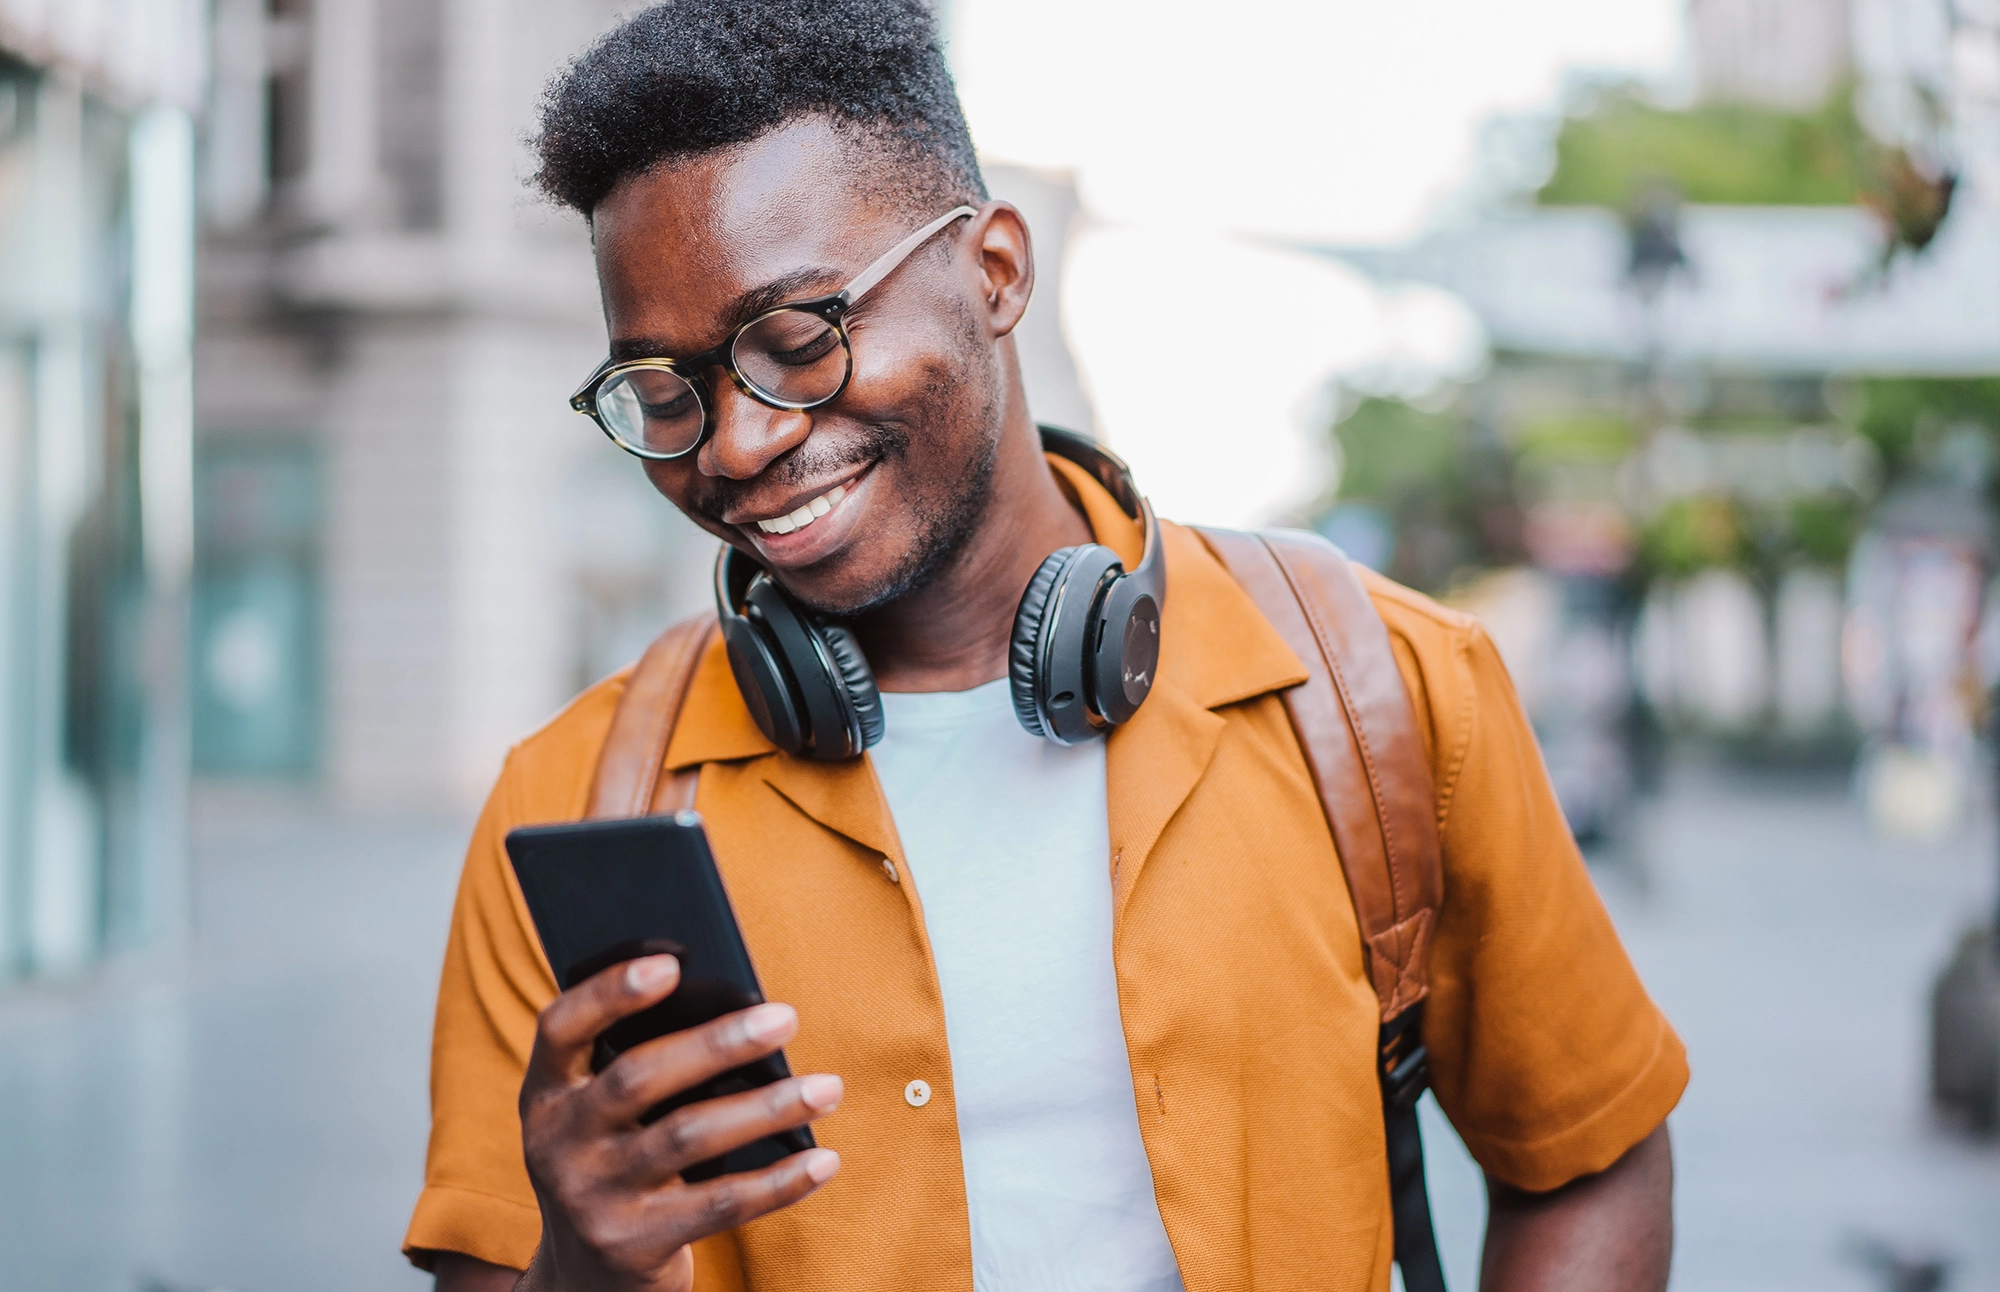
(1620, 145)
(1420, 469)
(1390, 450)
(1585, 437)
(1823, 528)
(1900, 413)
(1691, 534)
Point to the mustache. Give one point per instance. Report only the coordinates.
(813, 460)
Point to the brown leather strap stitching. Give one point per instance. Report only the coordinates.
(1348, 589)
(1357, 731)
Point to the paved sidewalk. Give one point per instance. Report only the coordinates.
(252, 1117)
(1794, 952)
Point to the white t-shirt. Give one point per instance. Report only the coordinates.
(1008, 843)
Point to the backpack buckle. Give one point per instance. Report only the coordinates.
(1402, 1062)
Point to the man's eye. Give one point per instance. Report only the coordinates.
(672, 408)
(812, 351)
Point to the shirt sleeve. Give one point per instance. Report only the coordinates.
(476, 1197)
(1546, 1052)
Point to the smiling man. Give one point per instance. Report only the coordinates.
(1069, 969)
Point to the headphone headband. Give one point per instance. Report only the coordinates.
(1111, 471)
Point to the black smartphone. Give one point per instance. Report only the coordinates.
(603, 892)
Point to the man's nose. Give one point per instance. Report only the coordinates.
(748, 435)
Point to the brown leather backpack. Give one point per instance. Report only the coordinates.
(1359, 735)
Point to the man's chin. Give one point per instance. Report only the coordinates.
(836, 593)
(841, 599)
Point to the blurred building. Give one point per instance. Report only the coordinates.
(411, 550)
(96, 307)
(1719, 331)
(1782, 53)
(1706, 408)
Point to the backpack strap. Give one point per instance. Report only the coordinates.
(1358, 732)
(628, 781)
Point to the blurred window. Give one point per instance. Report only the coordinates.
(257, 608)
(411, 111)
(289, 91)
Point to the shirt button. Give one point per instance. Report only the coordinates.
(889, 869)
(917, 1093)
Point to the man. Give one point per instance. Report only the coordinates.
(1067, 1016)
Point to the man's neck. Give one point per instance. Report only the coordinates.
(953, 635)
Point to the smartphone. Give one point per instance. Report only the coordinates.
(603, 892)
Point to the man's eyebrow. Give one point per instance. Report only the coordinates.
(749, 305)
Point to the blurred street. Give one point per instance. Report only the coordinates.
(253, 1117)
(1794, 952)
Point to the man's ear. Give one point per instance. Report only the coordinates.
(1006, 264)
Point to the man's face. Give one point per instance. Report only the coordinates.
(896, 469)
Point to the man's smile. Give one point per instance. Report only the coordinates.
(811, 526)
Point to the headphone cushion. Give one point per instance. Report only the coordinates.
(1024, 648)
(857, 679)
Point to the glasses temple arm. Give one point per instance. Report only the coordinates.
(897, 254)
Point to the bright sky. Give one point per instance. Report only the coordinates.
(1341, 120)
(1196, 130)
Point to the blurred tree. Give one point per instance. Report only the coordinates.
(1621, 151)
(1416, 466)
(1903, 415)
(1823, 528)
(1619, 147)
(1389, 449)
(1581, 436)
(1692, 534)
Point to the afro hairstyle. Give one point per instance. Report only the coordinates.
(684, 78)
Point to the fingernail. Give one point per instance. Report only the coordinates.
(821, 1163)
(821, 1090)
(646, 974)
(768, 1021)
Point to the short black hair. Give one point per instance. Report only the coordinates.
(687, 77)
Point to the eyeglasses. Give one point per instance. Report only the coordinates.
(795, 356)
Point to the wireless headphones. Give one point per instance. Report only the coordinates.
(1084, 650)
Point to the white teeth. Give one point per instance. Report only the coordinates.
(806, 514)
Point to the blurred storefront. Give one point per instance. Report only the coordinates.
(96, 312)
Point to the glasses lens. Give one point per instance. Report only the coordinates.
(652, 411)
(793, 357)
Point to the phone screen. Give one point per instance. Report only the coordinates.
(603, 892)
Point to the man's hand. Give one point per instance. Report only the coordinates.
(1614, 1229)
(615, 1212)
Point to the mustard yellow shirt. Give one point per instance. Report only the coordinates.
(1248, 1019)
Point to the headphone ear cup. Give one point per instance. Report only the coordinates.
(830, 733)
(1049, 655)
(761, 680)
(1126, 654)
(856, 679)
(1024, 648)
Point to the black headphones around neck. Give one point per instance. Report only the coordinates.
(1085, 646)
